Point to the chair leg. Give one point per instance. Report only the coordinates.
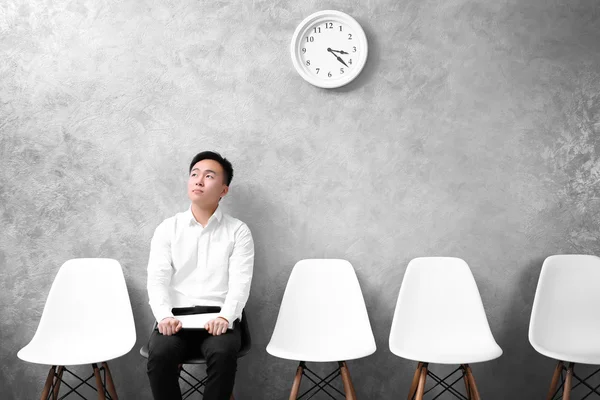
(297, 380)
(555, 378)
(568, 382)
(48, 384)
(466, 379)
(348, 386)
(415, 381)
(57, 382)
(99, 384)
(110, 385)
(474, 394)
(422, 381)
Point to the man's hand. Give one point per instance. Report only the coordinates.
(217, 326)
(169, 326)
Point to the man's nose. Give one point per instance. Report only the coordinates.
(200, 182)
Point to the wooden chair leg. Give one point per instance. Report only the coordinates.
(474, 394)
(422, 381)
(57, 382)
(347, 381)
(48, 384)
(99, 384)
(466, 379)
(415, 381)
(568, 382)
(297, 380)
(555, 378)
(110, 385)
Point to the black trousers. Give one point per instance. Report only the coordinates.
(167, 352)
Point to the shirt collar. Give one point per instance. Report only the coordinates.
(218, 215)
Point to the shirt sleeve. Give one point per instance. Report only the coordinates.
(160, 271)
(241, 266)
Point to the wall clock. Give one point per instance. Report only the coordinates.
(329, 49)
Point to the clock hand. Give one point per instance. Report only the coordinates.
(338, 57)
(340, 51)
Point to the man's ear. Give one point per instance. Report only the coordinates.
(225, 191)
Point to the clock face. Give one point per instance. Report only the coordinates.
(329, 49)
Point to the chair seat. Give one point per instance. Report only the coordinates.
(338, 353)
(75, 350)
(449, 355)
(585, 355)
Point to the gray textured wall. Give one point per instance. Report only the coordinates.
(473, 131)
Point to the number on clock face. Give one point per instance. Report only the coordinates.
(329, 49)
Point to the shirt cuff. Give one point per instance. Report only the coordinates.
(229, 318)
(229, 311)
(163, 312)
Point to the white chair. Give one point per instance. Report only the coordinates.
(439, 319)
(87, 319)
(565, 319)
(322, 318)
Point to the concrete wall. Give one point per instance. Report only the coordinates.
(473, 132)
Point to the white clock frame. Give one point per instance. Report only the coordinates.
(311, 22)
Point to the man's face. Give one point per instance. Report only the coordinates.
(206, 184)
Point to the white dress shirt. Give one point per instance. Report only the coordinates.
(192, 265)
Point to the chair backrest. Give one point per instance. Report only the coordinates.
(323, 316)
(87, 317)
(439, 310)
(564, 317)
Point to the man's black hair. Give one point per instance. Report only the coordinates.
(211, 155)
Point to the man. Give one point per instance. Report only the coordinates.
(201, 260)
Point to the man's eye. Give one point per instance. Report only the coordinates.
(193, 174)
(209, 176)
